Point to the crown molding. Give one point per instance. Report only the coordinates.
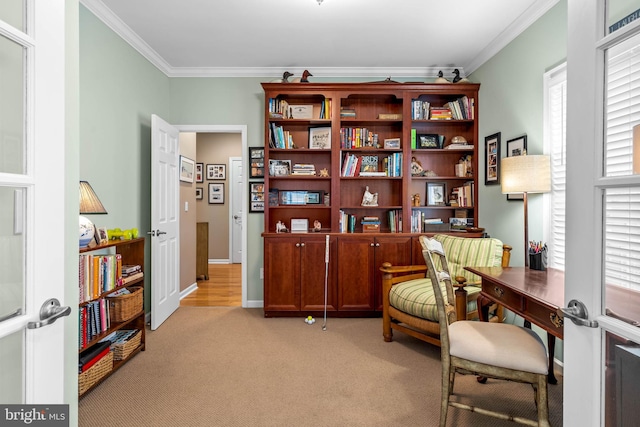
(517, 27)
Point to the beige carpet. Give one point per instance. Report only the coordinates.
(233, 367)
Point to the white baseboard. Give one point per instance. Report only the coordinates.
(255, 304)
(219, 261)
(190, 289)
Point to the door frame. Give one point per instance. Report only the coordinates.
(242, 130)
(232, 197)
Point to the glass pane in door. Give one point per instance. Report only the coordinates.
(12, 372)
(12, 252)
(13, 13)
(621, 380)
(12, 107)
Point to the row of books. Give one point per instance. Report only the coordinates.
(420, 223)
(347, 222)
(419, 109)
(98, 274)
(325, 109)
(462, 108)
(304, 169)
(463, 196)
(93, 320)
(370, 165)
(357, 138)
(395, 220)
(280, 138)
(93, 355)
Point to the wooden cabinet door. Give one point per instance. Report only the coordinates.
(356, 274)
(394, 249)
(281, 274)
(312, 273)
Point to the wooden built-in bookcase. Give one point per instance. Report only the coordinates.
(295, 113)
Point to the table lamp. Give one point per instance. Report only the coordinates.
(89, 204)
(526, 174)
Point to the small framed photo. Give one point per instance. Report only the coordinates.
(436, 193)
(301, 111)
(492, 159)
(315, 197)
(392, 143)
(216, 193)
(101, 236)
(199, 172)
(256, 197)
(320, 138)
(187, 169)
(256, 162)
(215, 172)
(279, 167)
(516, 147)
(198, 193)
(429, 140)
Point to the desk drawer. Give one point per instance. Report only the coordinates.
(543, 317)
(505, 296)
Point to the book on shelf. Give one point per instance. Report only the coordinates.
(440, 113)
(273, 197)
(130, 269)
(132, 277)
(92, 355)
(419, 110)
(395, 220)
(349, 113)
(303, 169)
(369, 164)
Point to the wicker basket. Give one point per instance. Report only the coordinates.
(95, 373)
(122, 351)
(124, 307)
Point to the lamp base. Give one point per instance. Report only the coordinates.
(87, 231)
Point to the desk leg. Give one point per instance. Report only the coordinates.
(551, 342)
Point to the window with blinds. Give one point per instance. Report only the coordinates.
(622, 201)
(555, 83)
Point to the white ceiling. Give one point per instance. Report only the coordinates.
(337, 38)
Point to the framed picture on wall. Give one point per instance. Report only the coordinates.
(199, 172)
(492, 159)
(256, 197)
(187, 169)
(216, 193)
(216, 171)
(198, 193)
(256, 162)
(516, 147)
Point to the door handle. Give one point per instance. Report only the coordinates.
(158, 233)
(236, 217)
(578, 314)
(49, 313)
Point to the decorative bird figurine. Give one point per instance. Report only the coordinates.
(284, 79)
(304, 79)
(441, 79)
(457, 78)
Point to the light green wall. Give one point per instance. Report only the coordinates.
(119, 91)
(511, 102)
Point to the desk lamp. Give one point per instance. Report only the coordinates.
(526, 174)
(89, 204)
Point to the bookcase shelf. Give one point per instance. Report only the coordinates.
(129, 252)
(359, 118)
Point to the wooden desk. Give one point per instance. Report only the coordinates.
(534, 295)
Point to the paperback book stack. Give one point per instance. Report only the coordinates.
(440, 113)
(304, 169)
(370, 224)
(131, 273)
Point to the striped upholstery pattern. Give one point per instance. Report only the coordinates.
(415, 297)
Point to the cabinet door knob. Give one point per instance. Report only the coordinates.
(372, 245)
(377, 245)
(297, 245)
(302, 244)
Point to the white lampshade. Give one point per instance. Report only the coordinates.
(525, 174)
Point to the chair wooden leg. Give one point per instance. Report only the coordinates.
(542, 401)
(447, 387)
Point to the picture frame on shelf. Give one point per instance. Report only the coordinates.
(492, 159)
(301, 111)
(516, 147)
(187, 169)
(199, 193)
(256, 162)
(428, 141)
(279, 167)
(102, 237)
(216, 193)
(199, 172)
(216, 172)
(256, 197)
(436, 193)
(320, 138)
(315, 197)
(392, 143)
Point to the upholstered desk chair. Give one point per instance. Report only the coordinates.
(494, 350)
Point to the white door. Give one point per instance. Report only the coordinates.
(165, 221)
(32, 202)
(237, 197)
(601, 361)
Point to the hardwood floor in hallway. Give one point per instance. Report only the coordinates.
(223, 289)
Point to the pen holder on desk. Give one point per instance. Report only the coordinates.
(538, 261)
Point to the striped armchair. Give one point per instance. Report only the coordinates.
(408, 302)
